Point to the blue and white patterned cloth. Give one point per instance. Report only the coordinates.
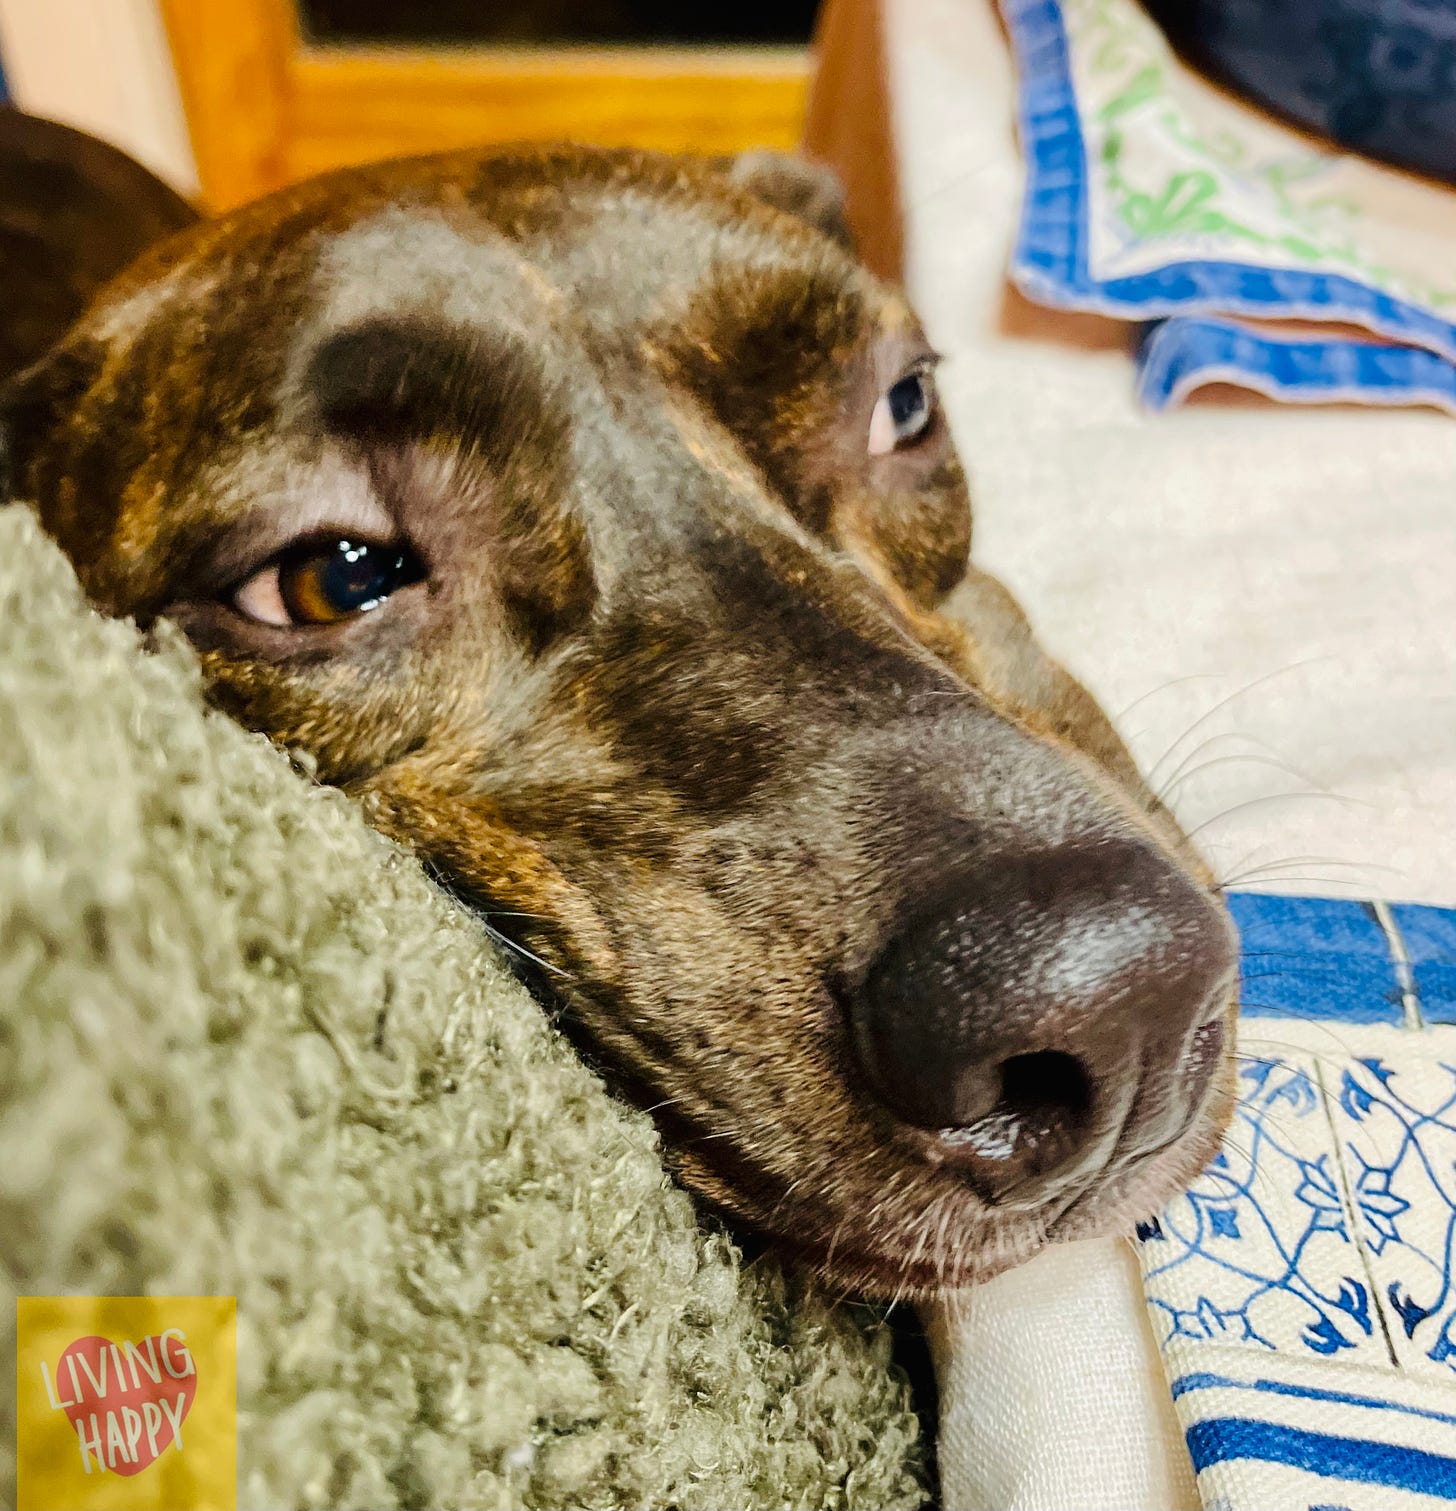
(1152, 197)
(1303, 1291)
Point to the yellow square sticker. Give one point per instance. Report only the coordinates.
(126, 1403)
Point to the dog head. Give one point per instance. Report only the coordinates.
(591, 517)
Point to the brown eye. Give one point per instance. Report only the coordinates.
(325, 582)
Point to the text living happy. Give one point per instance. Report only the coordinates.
(135, 1412)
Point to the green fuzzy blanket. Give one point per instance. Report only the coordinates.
(247, 1048)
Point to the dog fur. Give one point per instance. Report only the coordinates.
(696, 697)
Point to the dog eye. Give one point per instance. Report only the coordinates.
(904, 412)
(324, 582)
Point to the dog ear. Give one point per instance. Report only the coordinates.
(74, 211)
(798, 186)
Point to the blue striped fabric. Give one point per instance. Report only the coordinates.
(1303, 1289)
(1430, 938)
(1314, 957)
(1215, 1440)
(1351, 962)
(1282, 1388)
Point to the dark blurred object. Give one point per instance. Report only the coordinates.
(73, 211)
(1377, 76)
(522, 21)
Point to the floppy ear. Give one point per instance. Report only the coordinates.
(804, 189)
(74, 211)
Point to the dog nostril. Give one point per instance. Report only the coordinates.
(1046, 1085)
(1038, 1122)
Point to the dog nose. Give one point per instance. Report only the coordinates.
(1046, 1007)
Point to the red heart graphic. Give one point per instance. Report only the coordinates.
(98, 1378)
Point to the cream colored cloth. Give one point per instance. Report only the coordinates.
(1299, 564)
(1034, 1365)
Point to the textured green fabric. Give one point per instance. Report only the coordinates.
(247, 1048)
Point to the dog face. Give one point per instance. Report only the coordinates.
(591, 518)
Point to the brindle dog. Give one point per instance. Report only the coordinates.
(590, 517)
